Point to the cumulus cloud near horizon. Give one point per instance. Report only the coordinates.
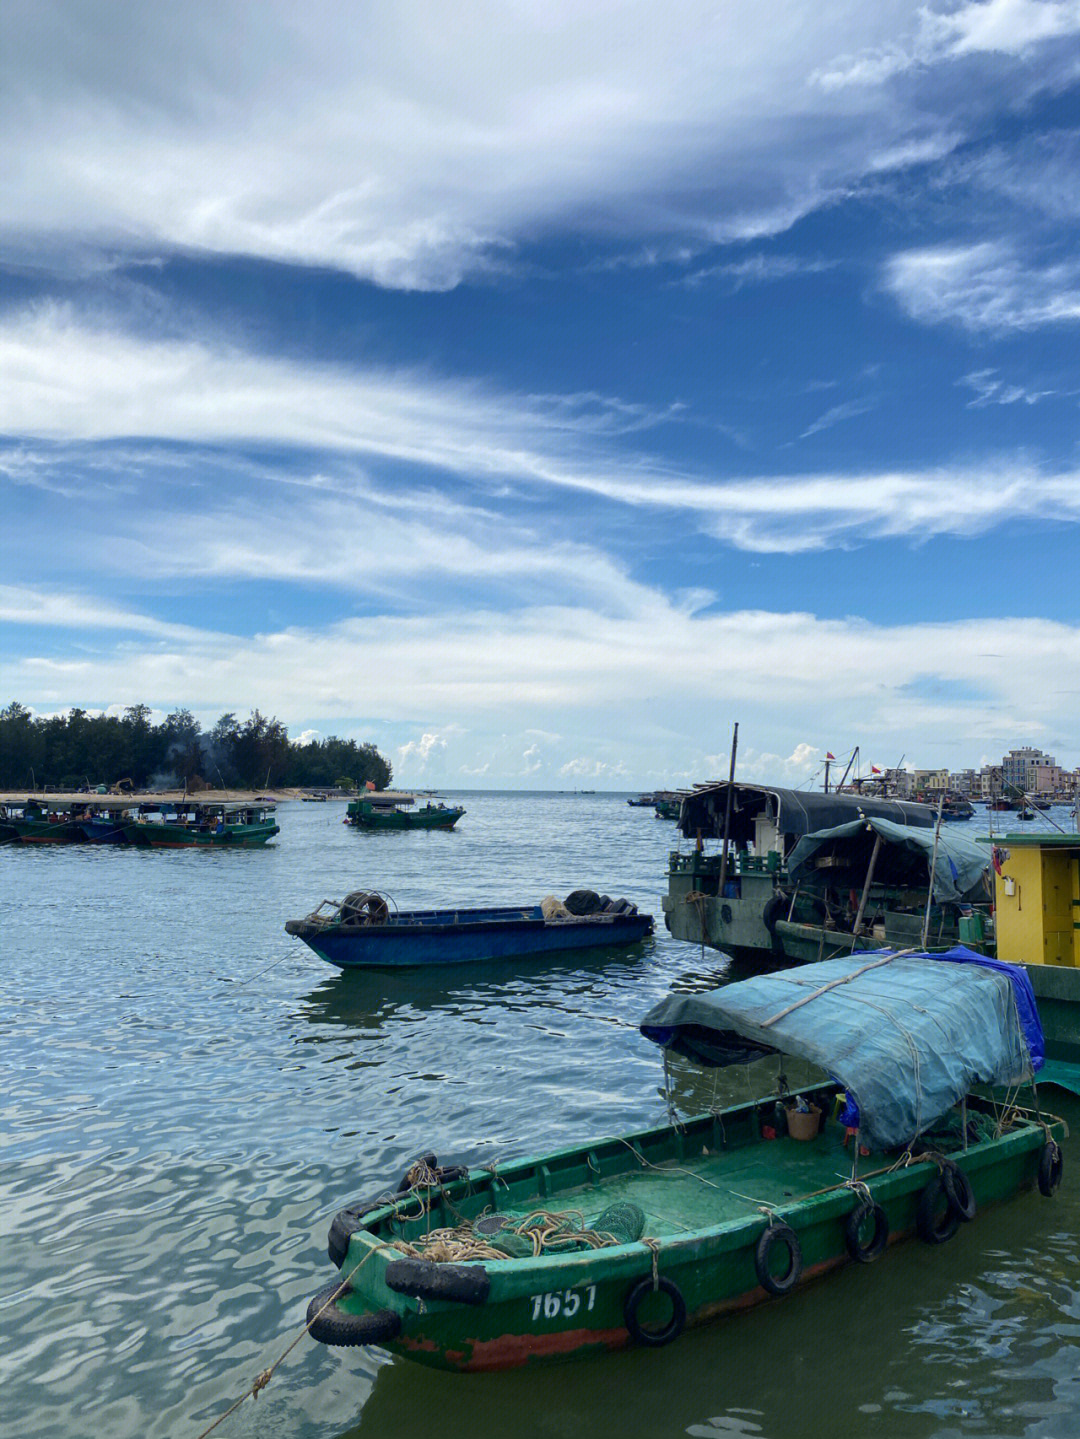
(502, 673)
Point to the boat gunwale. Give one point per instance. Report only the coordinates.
(511, 1278)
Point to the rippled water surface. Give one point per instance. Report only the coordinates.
(189, 1095)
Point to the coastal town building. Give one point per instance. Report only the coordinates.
(1026, 770)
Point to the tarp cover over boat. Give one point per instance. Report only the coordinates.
(907, 853)
(795, 812)
(906, 1035)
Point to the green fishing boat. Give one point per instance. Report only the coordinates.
(42, 822)
(194, 825)
(387, 810)
(628, 1240)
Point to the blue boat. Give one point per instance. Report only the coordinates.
(364, 932)
(107, 826)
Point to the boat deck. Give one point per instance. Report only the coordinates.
(731, 1186)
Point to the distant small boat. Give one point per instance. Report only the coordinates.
(394, 810)
(642, 801)
(362, 931)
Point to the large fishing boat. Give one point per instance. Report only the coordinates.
(394, 810)
(731, 897)
(191, 824)
(47, 821)
(630, 1239)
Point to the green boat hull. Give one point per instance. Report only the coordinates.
(178, 836)
(703, 1187)
(400, 819)
(45, 831)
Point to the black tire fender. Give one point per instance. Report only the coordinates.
(335, 1327)
(1051, 1168)
(423, 1279)
(960, 1193)
(773, 1235)
(930, 1227)
(347, 1221)
(654, 1338)
(865, 1253)
(775, 909)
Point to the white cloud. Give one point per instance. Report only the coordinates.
(847, 411)
(80, 386)
(980, 27)
(489, 677)
(991, 389)
(420, 144)
(983, 287)
(421, 750)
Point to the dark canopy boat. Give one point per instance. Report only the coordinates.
(758, 827)
(630, 1239)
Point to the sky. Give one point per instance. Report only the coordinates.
(537, 390)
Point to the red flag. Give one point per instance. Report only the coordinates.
(829, 756)
(369, 784)
(874, 769)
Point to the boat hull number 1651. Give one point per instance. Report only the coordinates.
(563, 1302)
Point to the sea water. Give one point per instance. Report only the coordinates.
(188, 1096)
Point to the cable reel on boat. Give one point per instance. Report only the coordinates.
(363, 906)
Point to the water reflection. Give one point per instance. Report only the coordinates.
(367, 999)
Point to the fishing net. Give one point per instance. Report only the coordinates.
(544, 1231)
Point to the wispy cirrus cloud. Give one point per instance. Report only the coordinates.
(991, 389)
(979, 27)
(986, 286)
(760, 269)
(837, 414)
(89, 390)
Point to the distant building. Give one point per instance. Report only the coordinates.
(1019, 767)
(930, 781)
(966, 782)
(898, 782)
(990, 781)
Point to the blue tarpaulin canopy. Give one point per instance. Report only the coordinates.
(906, 855)
(906, 1035)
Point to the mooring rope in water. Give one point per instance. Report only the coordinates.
(240, 983)
(262, 1379)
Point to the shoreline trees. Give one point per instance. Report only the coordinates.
(78, 750)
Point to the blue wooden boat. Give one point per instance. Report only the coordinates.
(364, 932)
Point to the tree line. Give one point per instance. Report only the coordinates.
(78, 749)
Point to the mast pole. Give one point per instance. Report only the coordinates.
(933, 870)
(727, 811)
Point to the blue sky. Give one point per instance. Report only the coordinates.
(538, 389)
